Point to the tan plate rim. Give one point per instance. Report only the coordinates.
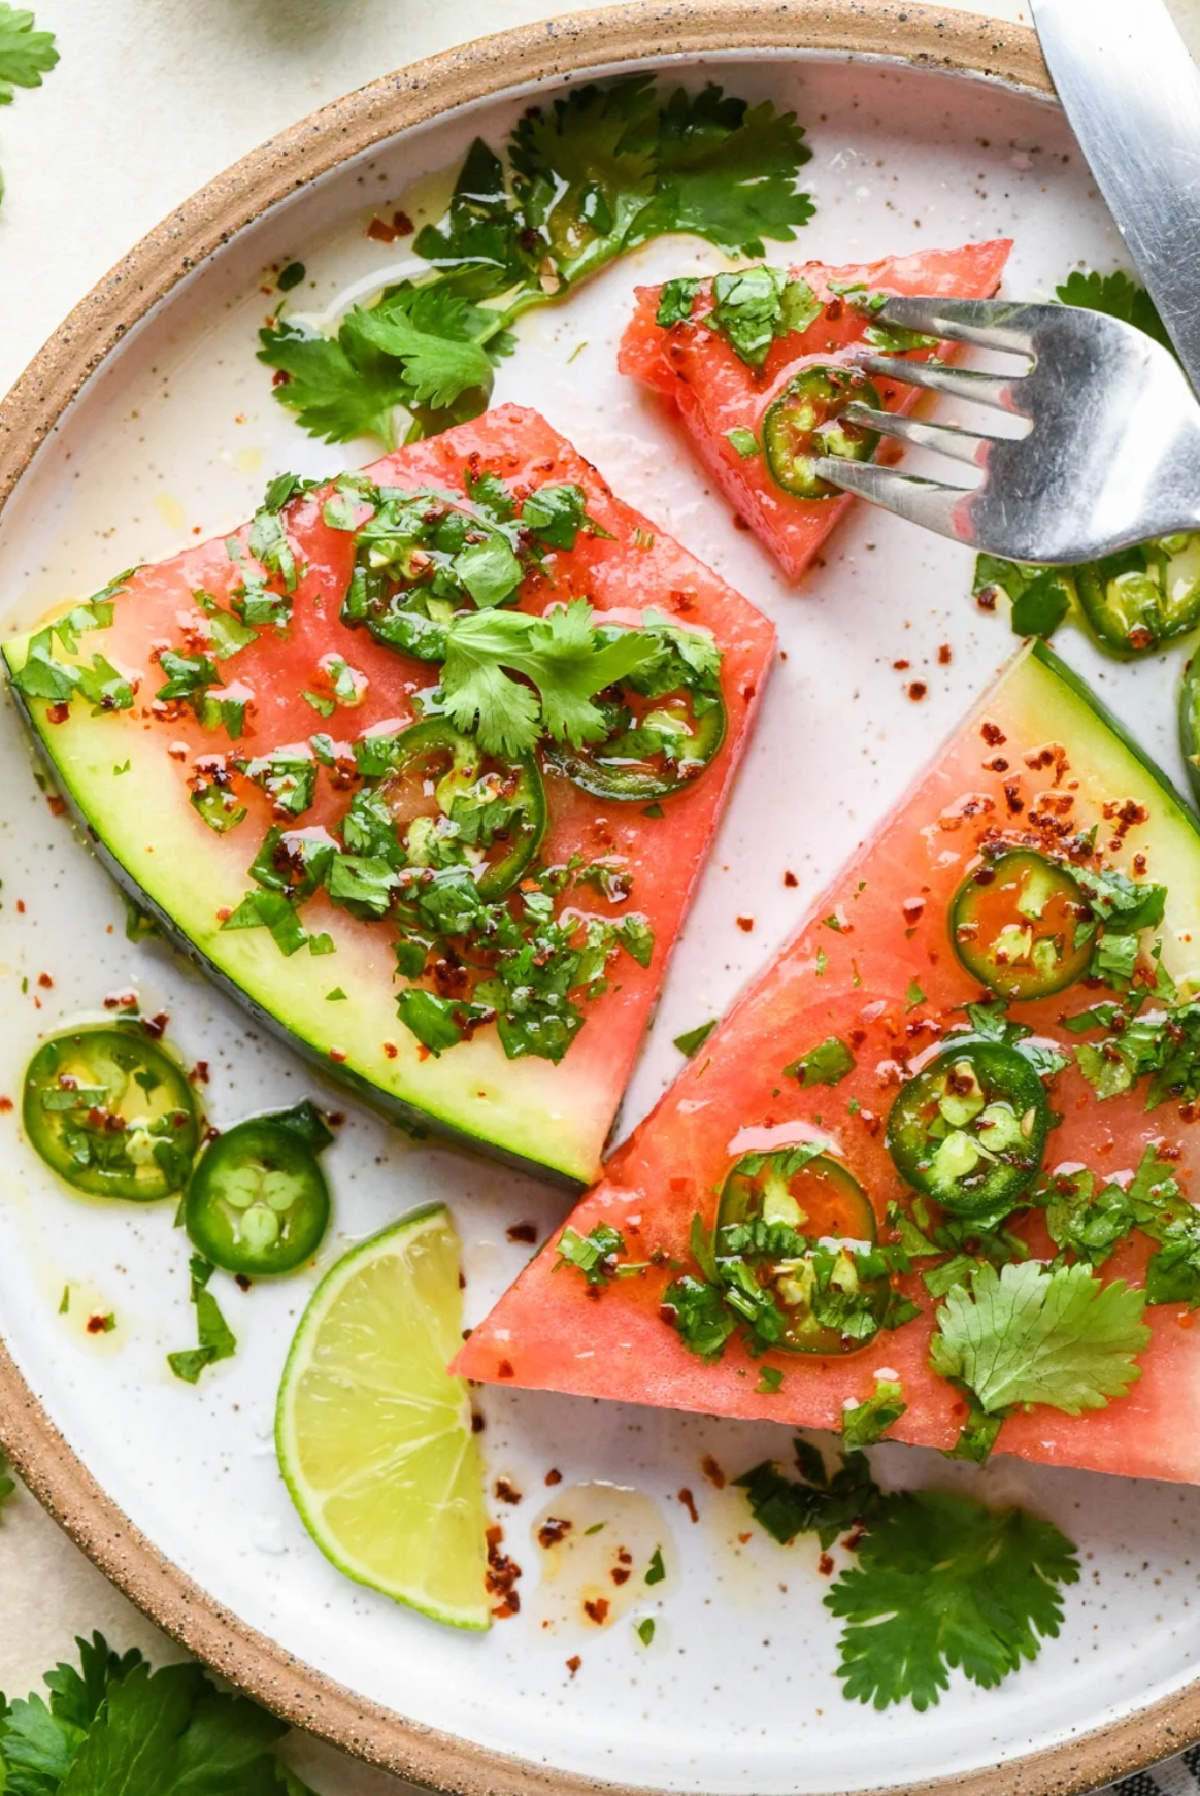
(965, 44)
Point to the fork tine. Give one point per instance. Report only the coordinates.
(963, 383)
(924, 502)
(990, 323)
(963, 445)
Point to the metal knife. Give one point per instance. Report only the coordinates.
(1131, 91)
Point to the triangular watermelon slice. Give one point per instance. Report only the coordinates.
(873, 967)
(716, 393)
(174, 801)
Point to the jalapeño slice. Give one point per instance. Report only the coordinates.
(1014, 923)
(1143, 596)
(969, 1129)
(258, 1202)
(453, 804)
(666, 722)
(111, 1113)
(806, 421)
(792, 1231)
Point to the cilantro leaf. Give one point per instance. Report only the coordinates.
(216, 1338)
(676, 299)
(336, 394)
(1118, 297)
(727, 172)
(868, 1421)
(826, 1064)
(25, 54)
(1027, 1334)
(593, 1254)
(560, 652)
(438, 339)
(692, 1040)
(943, 1582)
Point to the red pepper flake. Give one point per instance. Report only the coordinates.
(402, 224)
(57, 805)
(596, 1609)
(689, 1502)
(522, 1231)
(506, 1492)
(739, 522)
(501, 1576)
(1184, 1318)
(713, 1472)
(45, 981)
(917, 690)
(381, 231)
(573, 1663)
(992, 734)
(101, 1325)
(855, 1538)
(986, 598)
(901, 666)
(57, 713)
(199, 1073)
(825, 1564)
(242, 1282)
(790, 880)
(554, 1529)
(281, 378)
(390, 1050)
(504, 1369)
(155, 1026)
(554, 1476)
(913, 909)
(743, 1538)
(620, 1574)
(478, 1424)
(944, 655)
(6, 1104)
(21, 906)
(337, 1054)
(746, 924)
(224, 914)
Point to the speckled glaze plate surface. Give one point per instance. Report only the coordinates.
(175, 1490)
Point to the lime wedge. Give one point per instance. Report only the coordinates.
(374, 1435)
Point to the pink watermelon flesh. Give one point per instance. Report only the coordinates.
(1014, 760)
(715, 392)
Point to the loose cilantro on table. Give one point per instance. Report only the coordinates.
(115, 1725)
(25, 54)
(591, 176)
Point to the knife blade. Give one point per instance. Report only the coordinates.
(1131, 91)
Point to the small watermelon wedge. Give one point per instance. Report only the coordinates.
(251, 803)
(816, 1051)
(716, 393)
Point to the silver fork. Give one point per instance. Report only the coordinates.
(1111, 451)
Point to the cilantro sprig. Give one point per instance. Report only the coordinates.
(600, 171)
(25, 54)
(114, 1724)
(940, 1581)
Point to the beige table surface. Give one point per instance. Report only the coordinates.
(152, 98)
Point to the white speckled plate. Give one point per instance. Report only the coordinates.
(174, 438)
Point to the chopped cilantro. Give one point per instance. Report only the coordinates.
(817, 1504)
(656, 1571)
(770, 1380)
(826, 1064)
(593, 1254)
(216, 1339)
(290, 277)
(644, 1629)
(822, 961)
(914, 996)
(744, 441)
(755, 305)
(692, 1040)
(868, 1421)
(676, 299)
